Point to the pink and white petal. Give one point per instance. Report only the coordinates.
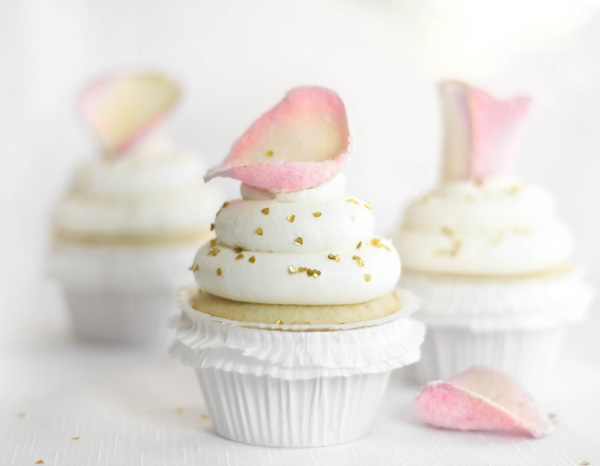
(481, 398)
(124, 109)
(301, 142)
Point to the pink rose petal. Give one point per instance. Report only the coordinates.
(123, 109)
(301, 142)
(481, 398)
(481, 131)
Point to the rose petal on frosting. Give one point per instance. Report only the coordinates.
(300, 143)
(480, 131)
(481, 398)
(123, 109)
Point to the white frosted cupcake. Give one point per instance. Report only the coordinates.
(486, 252)
(294, 325)
(123, 233)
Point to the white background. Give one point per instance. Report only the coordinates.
(235, 59)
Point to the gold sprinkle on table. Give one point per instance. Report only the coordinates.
(367, 277)
(259, 231)
(194, 267)
(334, 257)
(204, 416)
(359, 260)
(270, 153)
(291, 218)
(279, 322)
(316, 273)
(265, 211)
(447, 231)
(239, 256)
(302, 269)
(238, 249)
(317, 214)
(299, 241)
(358, 246)
(313, 273)
(585, 463)
(214, 252)
(212, 227)
(367, 205)
(252, 259)
(219, 272)
(75, 437)
(292, 269)
(354, 201)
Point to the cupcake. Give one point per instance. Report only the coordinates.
(486, 252)
(122, 233)
(294, 323)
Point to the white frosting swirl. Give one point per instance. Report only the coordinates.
(497, 227)
(318, 229)
(149, 191)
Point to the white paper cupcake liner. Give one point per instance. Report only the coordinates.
(302, 386)
(120, 293)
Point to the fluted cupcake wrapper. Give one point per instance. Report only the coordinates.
(295, 388)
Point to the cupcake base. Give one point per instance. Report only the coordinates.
(294, 385)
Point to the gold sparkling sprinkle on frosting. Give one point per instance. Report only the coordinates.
(39, 462)
(291, 218)
(367, 277)
(212, 227)
(514, 190)
(292, 269)
(359, 261)
(265, 211)
(359, 245)
(239, 256)
(299, 241)
(354, 201)
(252, 259)
(313, 273)
(238, 249)
(302, 269)
(270, 153)
(219, 272)
(75, 437)
(213, 241)
(259, 231)
(214, 252)
(367, 205)
(279, 322)
(447, 231)
(334, 257)
(194, 267)
(317, 214)
(378, 244)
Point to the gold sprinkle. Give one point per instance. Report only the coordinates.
(252, 259)
(238, 249)
(225, 204)
(520, 230)
(552, 415)
(291, 218)
(378, 244)
(367, 205)
(270, 153)
(316, 273)
(585, 463)
(299, 241)
(179, 410)
(204, 416)
(259, 231)
(310, 272)
(21, 415)
(367, 277)
(265, 211)
(334, 257)
(292, 269)
(214, 252)
(359, 260)
(317, 214)
(353, 201)
(279, 322)
(39, 462)
(447, 231)
(213, 241)
(212, 227)
(75, 437)
(219, 272)
(200, 291)
(302, 269)
(313, 273)
(239, 256)
(194, 267)
(358, 246)
(514, 190)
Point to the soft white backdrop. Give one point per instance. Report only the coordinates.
(237, 58)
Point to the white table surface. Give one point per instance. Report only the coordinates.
(134, 406)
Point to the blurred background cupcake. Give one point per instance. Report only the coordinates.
(486, 251)
(123, 233)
